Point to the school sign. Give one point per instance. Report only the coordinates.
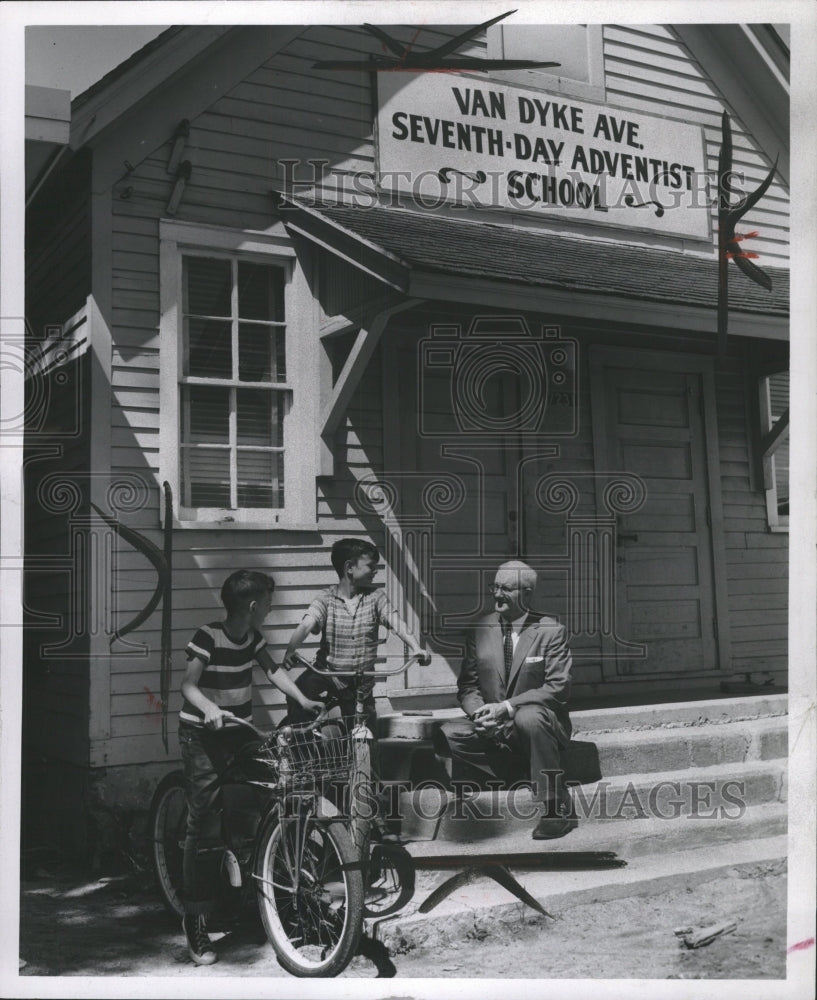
(443, 137)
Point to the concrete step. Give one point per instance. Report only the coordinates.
(722, 791)
(621, 740)
(484, 903)
(627, 838)
(625, 751)
(716, 711)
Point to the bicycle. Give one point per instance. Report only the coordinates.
(307, 860)
(390, 869)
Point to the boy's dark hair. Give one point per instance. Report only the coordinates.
(243, 586)
(351, 549)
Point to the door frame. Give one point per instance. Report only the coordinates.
(601, 356)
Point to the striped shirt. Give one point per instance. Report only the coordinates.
(227, 676)
(350, 630)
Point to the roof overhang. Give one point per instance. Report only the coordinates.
(438, 258)
(48, 129)
(748, 64)
(342, 242)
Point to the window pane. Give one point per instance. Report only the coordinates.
(260, 292)
(208, 351)
(206, 477)
(260, 479)
(206, 416)
(261, 353)
(208, 282)
(260, 417)
(778, 404)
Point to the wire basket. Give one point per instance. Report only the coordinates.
(316, 755)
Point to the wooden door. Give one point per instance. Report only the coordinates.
(650, 415)
(463, 527)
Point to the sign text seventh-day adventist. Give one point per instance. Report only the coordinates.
(449, 136)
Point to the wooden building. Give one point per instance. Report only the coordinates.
(471, 317)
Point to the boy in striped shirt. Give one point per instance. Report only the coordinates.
(217, 686)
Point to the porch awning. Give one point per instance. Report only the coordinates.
(396, 246)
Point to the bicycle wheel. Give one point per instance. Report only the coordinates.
(310, 893)
(166, 830)
(389, 880)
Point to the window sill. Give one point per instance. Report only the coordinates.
(193, 525)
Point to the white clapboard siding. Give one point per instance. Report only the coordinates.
(757, 564)
(648, 70)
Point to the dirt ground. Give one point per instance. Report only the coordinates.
(115, 926)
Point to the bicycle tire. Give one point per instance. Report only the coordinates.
(166, 831)
(362, 805)
(390, 880)
(311, 908)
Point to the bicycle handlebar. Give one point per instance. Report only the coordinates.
(298, 727)
(358, 673)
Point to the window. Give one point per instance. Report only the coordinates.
(774, 447)
(234, 393)
(577, 47)
(235, 410)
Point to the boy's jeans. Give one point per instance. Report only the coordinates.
(205, 755)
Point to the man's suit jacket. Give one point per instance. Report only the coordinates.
(540, 671)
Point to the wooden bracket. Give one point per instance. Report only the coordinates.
(182, 177)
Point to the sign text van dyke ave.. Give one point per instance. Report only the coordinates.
(553, 154)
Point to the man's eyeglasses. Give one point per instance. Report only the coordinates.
(494, 588)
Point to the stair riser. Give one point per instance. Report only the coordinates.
(588, 760)
(673, 750)
(487, 815)
(683, 833)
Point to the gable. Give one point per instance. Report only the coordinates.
(279, 119)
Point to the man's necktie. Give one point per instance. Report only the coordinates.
(507, 647)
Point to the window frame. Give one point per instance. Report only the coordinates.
(772, 434)
(593, 89)
(180, 239)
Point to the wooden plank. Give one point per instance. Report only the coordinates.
(144, 441)
(330, 111)
(759, 616)
(759, 587)
(676, 99)
(766, 664)
(758, 571)
(758, 648)
(760, 557)
(759, 632)
(135, 378)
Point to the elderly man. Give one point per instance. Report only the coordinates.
(513, 686)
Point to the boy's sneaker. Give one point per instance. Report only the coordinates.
(198, 941)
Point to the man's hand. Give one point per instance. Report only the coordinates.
(425, 656)
(488, 718)
(214, 716)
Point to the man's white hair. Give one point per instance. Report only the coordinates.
(526, 576)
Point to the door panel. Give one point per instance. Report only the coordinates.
(652, 425)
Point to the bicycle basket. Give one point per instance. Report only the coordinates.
(327, 753)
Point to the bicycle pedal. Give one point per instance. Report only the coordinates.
(233, 869)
